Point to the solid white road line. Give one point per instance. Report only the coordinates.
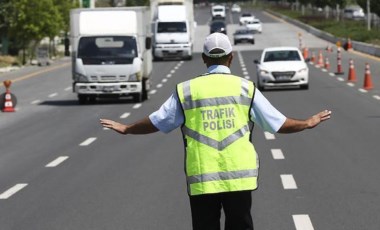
(269, 136)
(136, 106)
(88, 141)
(11, 191)
(288, 181)
(125, 115)
(302, 222)
(57, 161)
(277, 154)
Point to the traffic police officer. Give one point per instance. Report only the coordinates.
(215, 112)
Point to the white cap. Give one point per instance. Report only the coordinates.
(217, 41)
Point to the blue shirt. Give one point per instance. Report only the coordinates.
(170, 115)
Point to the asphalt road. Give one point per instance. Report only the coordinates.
(59, 169)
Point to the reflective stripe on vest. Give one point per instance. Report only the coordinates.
(214, 169)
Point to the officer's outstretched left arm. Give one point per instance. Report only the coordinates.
(144, 126)
(293, 125)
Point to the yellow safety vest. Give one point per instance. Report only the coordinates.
(219, 154)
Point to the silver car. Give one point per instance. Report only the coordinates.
(244, 35)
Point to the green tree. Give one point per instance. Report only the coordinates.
(28, 27)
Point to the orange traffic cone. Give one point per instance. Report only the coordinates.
(305, 53)
(329, 48)
(8, 104)
(349, 44)
(312, 57)
(339, 62)
(352, 72)
(367, 78)
(320, 59)
(327, 63)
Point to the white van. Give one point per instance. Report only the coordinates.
(353, 12)
(218, 11)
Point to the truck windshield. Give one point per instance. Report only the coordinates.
(171, 27)
(107, 50)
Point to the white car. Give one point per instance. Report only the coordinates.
(246, 17)
(255, 25)
(282, 67)
(235, 8)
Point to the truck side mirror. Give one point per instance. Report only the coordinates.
(148, 43)
(256, 62)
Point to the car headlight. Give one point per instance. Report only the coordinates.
(81, 78)
(264, 72)
(135, 77)
(302, 70)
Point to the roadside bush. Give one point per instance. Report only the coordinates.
(8, 61)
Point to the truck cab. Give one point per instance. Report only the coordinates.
(218, 12)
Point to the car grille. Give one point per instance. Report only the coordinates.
(283, 76)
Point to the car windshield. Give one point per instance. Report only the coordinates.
(246, 15)
(171, 27)
(217, 24)
(283, 55)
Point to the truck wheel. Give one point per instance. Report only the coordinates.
(145, 95)
(82, 99)
(138, 97)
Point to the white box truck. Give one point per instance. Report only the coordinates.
(173, 28)
(111, 53)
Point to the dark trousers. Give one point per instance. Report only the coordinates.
(206, 211)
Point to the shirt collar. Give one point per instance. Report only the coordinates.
(218, 69)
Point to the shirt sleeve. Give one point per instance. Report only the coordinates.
(169, 116)
(265, 114)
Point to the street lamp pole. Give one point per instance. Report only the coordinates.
(368, 15)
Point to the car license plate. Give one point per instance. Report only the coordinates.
(283, 78)
(108, 88)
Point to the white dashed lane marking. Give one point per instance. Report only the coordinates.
(269, 136)
(277, 154)
(53, 95)
(57, 162)
(35, 102)
(10, 192)
(288, 181)
(136, 106)
(302, 222)
(88, 141)
(153, 91)
(125, 115)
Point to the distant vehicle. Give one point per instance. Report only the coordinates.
(218, 11)
(255, 25)
(218, 26)
(353, 12)
(173, 29)
(244, 35)
(235, 8)
(246, 17)
(111, 54)
(282, 67)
